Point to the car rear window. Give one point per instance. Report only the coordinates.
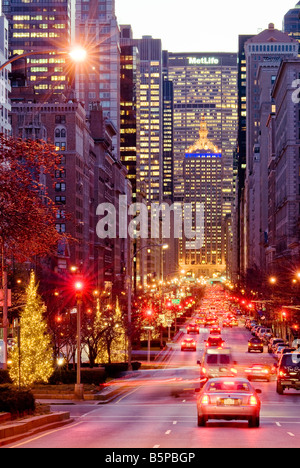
(218, 359)
(291, 360)
(226, 386)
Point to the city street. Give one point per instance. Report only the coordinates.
(159, 411)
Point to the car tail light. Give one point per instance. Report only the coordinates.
(253, 400)
(203, 370)
(233, 370)
(205, 400)
(282, 373)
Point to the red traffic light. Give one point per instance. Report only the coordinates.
(79, 286)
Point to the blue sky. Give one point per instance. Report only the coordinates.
(202, 25)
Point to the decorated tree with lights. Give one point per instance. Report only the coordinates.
(32, 360)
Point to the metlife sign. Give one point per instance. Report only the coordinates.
(203, 61)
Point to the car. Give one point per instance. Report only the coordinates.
(234, 322)
(276, 345)
(215, 330)
(214, 341)
(216, 362)
(288, 372)
(188, 344)
(255, 344)
(227, 324)
(279, 349)
(193, 328)
(263, 331)
(272, 342)
(229, 399)
(266, 337)
(209, 322)
(258, 371)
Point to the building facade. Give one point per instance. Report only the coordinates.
(203, 184)
(46, 29)
(283, 249)
(264, 53)
(5, 86)
(98, 79)
(204, 85)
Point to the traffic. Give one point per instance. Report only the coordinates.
(226, 390)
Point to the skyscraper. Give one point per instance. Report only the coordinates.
(42, 27)
(291, 22)
(99, 78)
(205, 85)
(5, 88)
(203, 170)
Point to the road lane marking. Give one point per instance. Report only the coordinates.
(168, 432)
(291, 434)
(278, 424)
(67, 426)
(128, 394)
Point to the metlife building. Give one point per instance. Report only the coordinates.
(205, 87)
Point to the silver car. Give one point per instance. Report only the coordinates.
(229, 399)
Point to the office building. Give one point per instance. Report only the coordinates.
(5, 87)
(204, 85)
(98, 79)
(203, 184)
(264, 53)
(44, 28)
(291, 22)
(129, 106)
(283, 248)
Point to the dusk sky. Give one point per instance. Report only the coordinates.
(200, 25)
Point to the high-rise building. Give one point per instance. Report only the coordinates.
(283, 248)
(5, 88)
(98, 79)
(291, 22)
(129, 106)
(205, 85)
(264, 53)
(43, 28)
(203, 184)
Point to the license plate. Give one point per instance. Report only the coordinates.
(229, 402)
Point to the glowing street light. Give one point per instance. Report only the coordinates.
(78, 54)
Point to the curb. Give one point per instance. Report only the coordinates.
(17, 430)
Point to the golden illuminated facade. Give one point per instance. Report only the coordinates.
(203, 184)
(41, 27)
(205, 85)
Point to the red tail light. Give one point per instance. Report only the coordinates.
(253, 400)
(205, 400)
(203, 370)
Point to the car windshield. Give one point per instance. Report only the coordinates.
(291, 360)
(225, 386)
(218, 358)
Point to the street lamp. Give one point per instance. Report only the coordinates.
(78, 54)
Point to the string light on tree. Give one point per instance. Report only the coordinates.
(33, 362)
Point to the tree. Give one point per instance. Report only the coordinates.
(32, 361)
(27, 221)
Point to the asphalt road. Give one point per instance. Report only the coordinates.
(159, 411)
